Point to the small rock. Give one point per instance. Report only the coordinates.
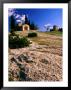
(44, 61)
(30, 59)
(23, 57)
(30, 42)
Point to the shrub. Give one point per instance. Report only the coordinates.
(33, 34)
(17, 42)
(60, 29)
(13, 34)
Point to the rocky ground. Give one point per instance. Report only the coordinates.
(36, 63)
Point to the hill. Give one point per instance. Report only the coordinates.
(41, 61)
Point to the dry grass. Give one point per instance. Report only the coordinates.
(45, 38)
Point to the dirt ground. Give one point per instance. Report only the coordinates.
(41, 61)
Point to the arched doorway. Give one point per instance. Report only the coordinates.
(26, 27)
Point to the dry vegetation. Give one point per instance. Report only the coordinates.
(42, 60)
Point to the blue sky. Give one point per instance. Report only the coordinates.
(41, 17)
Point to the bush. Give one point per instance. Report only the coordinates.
(13, 34)
(60, 29)
(33, 34)
(17, 42)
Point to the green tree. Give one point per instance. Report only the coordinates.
(29, 22)
(60, 29)
(12, 23)
(33, 26)
(26, 20)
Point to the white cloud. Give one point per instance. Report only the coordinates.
(46, 25)
(59, 27)
(11, 12)
(17, 16)
(18, 20)
(23, 17)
